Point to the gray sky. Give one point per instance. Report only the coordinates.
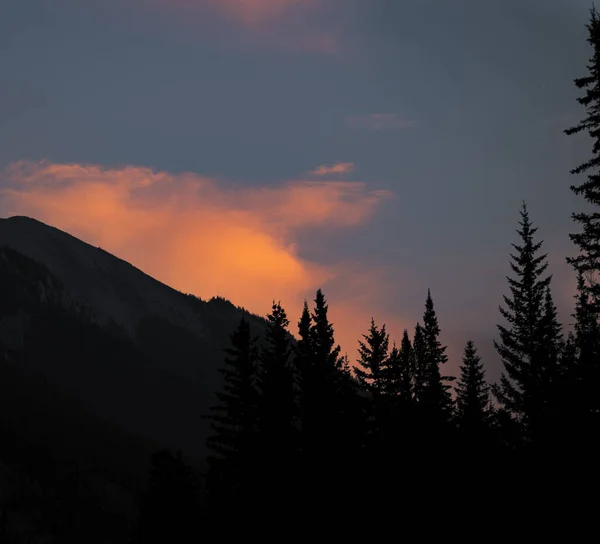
(455, 107)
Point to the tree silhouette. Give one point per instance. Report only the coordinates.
(586, 356)
(436, 397)
(526, 342)
(420, 364)
(400, 371)
(373, 356)
(234, 421)
(323, 377)
(472, 393)
(277, 411)
(588, 239)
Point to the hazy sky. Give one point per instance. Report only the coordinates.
(259, 149)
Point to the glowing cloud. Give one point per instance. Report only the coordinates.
(200, 237)
(253, 12)
(337, 168)
(295, 24)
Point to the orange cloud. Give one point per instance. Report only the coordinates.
(196, 235)
(337, 168)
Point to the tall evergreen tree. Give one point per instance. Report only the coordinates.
(322, 334)
(277, 422)
(373, 355)
(587, 351)
(525, 343)
(588, 239)
(420, 364)
(234, 420)
(277, 417)
(472, 393)
(304, 361)
(436, 394)
(400, 370)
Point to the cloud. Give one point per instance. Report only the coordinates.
(297, 25)
(379, 121)
(256, 12)
(205, 237)
(337, 168)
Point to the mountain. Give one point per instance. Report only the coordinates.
(130, 349)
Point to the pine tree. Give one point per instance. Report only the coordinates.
(373, 354)
(304, 360)
(234, 420)
(277, 378)
(332, 373)
(326, 400)
(420, 364)
(588, 239)
(400, 371)
(472, 393)
(587, 328)
(524, 342)
(587, 351)
(326, 352)
(393, 373)
(436, 395)
(277, 423)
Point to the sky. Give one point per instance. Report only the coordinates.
(260, 149)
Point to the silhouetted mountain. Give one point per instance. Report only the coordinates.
(130, 348)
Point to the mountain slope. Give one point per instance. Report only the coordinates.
(130, 348)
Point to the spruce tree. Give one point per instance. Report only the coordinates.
(277, 422)
(304, 361)
(472, 393)
(331, 373)
(436, 395)
(400, 371)
(525, 340)
(234, 420)
(420, 364)
(588, 239)
(587, 352)
(322, 334)
(393, 373)
(373, 356)
(277, 416)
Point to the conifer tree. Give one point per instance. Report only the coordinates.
(420, 364)
(587, 328)
(277, 421)
(393, 373)
(436, 395)
(322, 334)
(588, 239)
(277, 415)
(525, 342)
(304, 361)
(472, 393)
(234, 419)
(373, 356)
(587, 351)
(330, 388)
(400, 371)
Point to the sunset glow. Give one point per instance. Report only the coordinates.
(201, 237)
